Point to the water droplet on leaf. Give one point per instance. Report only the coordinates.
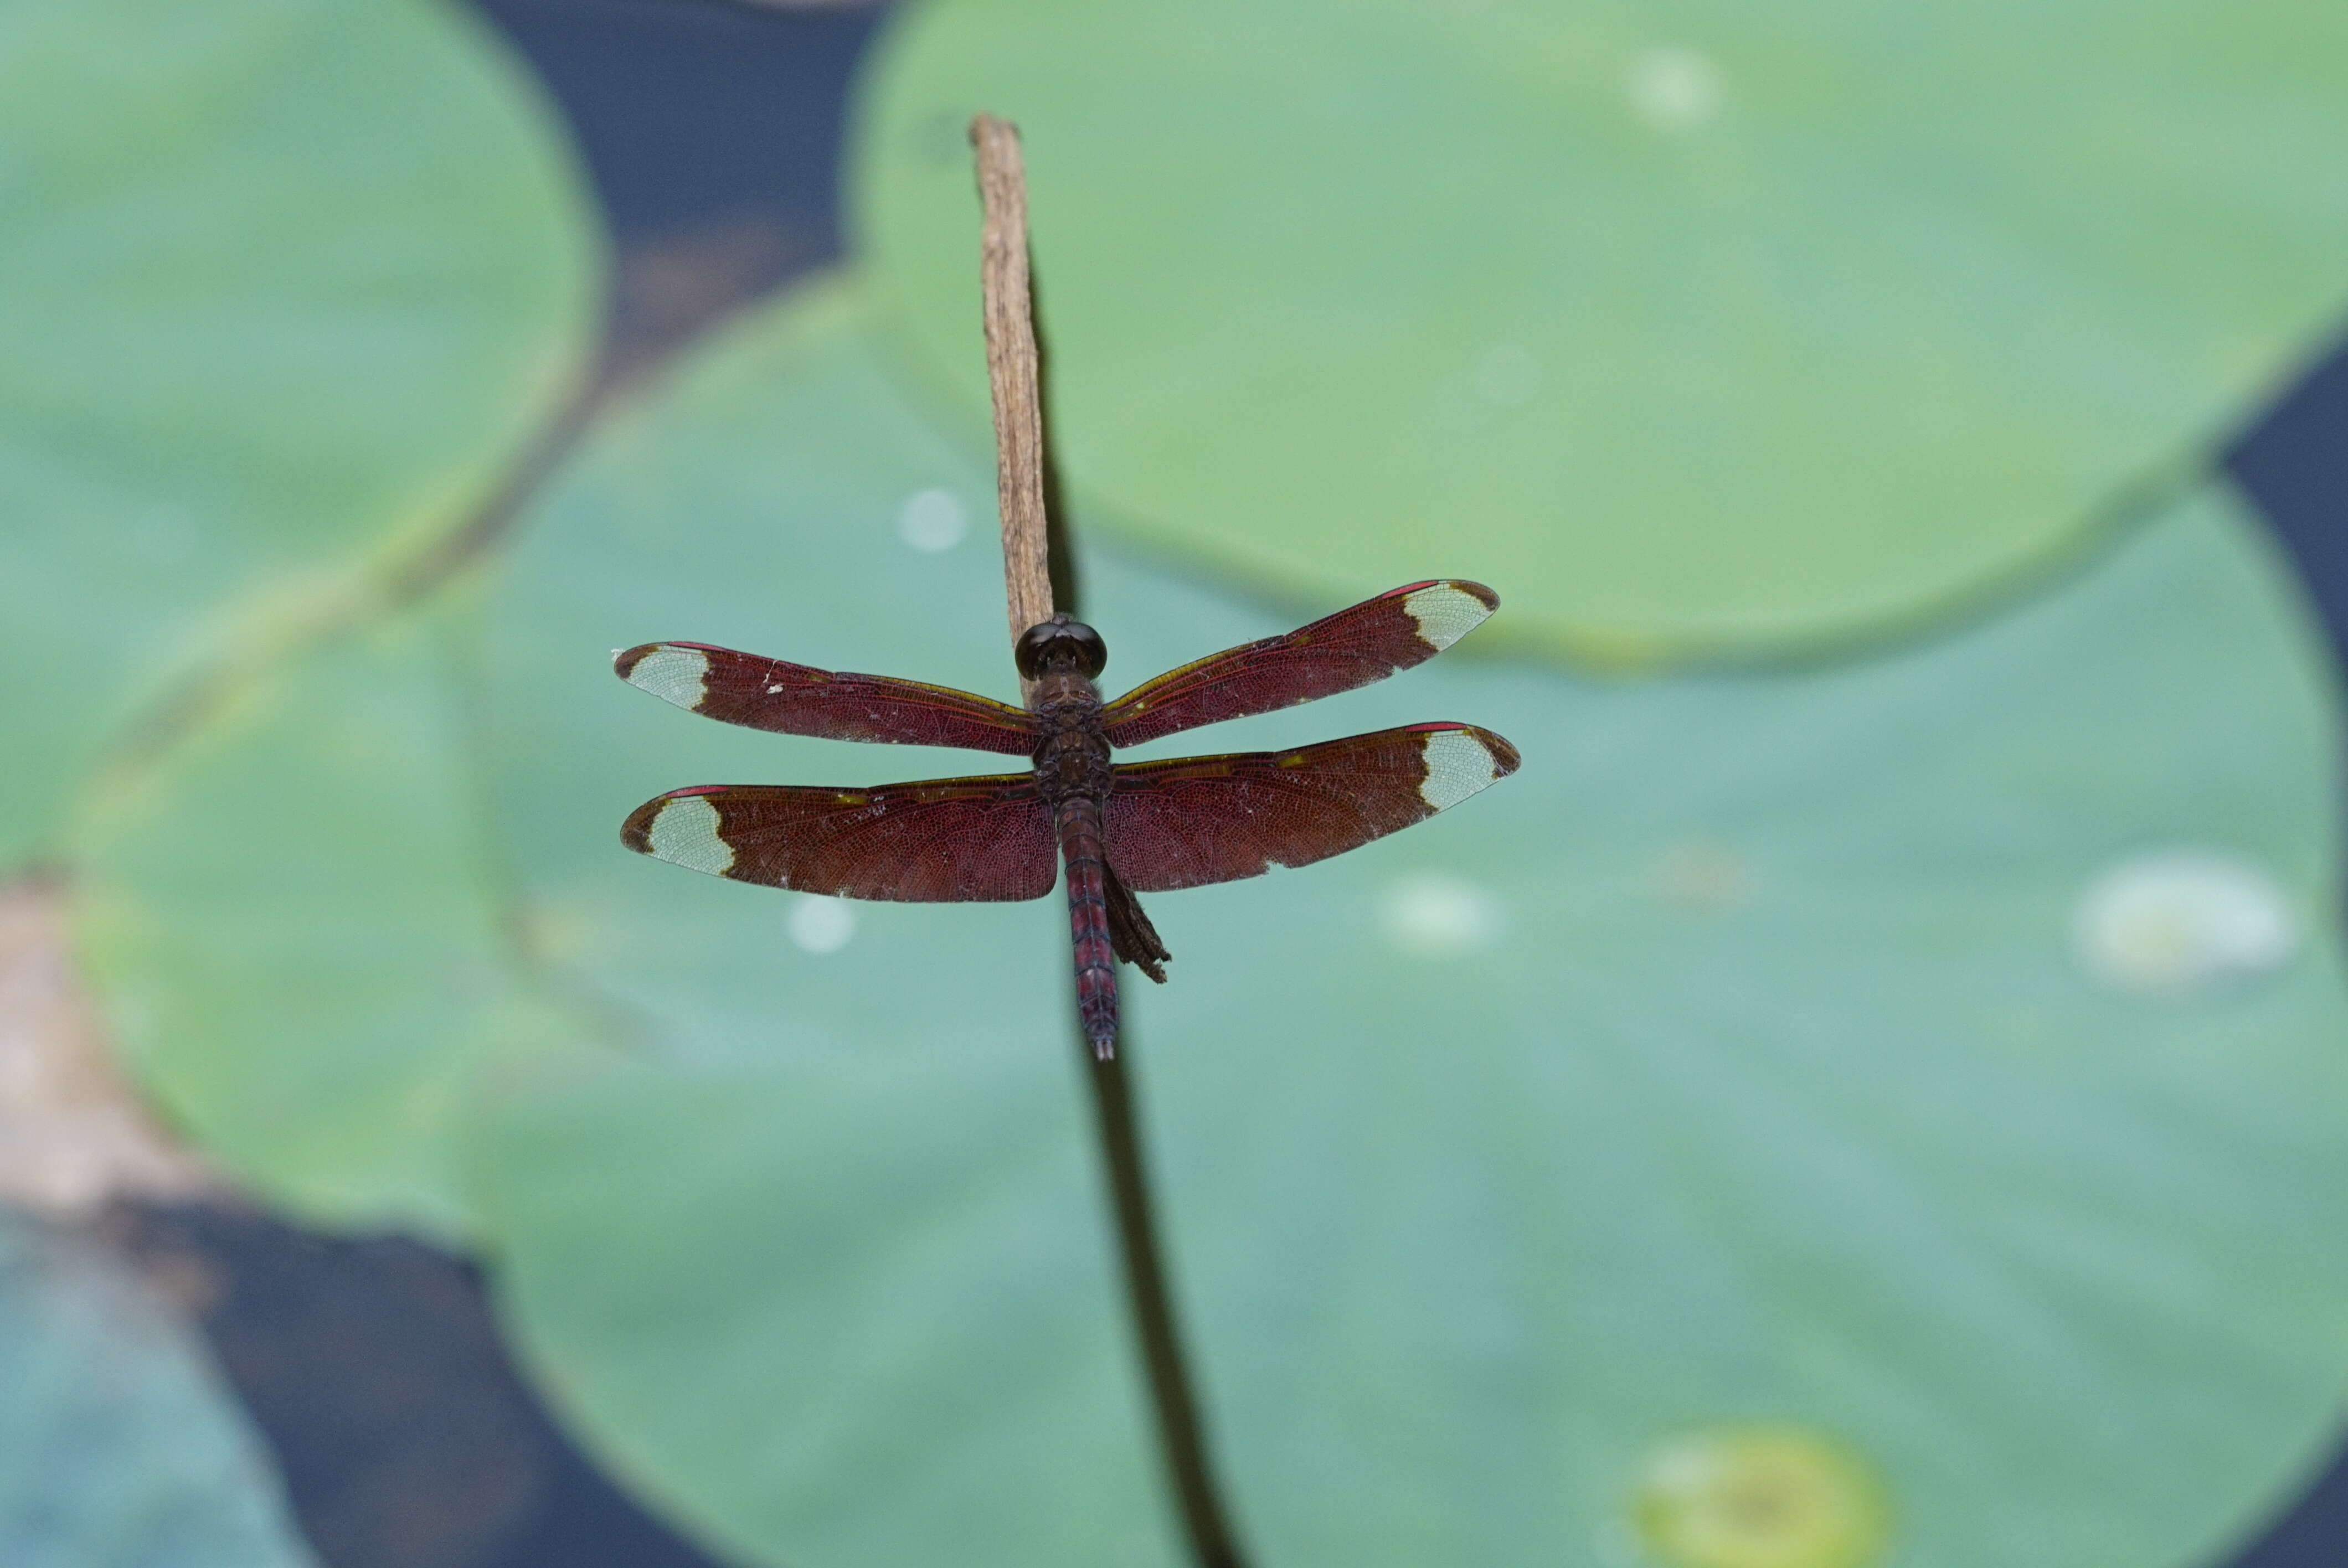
(821, 925)
(1675, 88)
(2175, 921)
(932, 520)
(1436, 914)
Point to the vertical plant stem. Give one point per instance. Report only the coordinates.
(1015, 374)
(1181, 1435)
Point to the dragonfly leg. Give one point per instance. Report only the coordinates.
(1130, 933)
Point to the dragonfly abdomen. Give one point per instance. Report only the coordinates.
(1079, 827)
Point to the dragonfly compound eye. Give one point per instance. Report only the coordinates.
(1060, 646)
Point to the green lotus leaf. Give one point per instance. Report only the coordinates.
(119, 1446)
(287, 280)
(295, 928)
(1709, 329)
(1731, 1081)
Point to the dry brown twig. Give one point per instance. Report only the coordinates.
(1014, 372)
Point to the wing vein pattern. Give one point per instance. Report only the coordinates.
(1191, 821)
(944, 841)
(1354, 647)
(789, 699)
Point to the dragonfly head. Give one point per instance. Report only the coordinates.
(1060, 646)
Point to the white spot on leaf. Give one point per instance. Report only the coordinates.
(932, 520)
(1435, 914)
(1675, 88)
(2175, 921)
(821, 925)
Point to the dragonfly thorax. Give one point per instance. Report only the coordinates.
(1071, 752)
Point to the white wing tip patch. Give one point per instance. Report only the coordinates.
(1444, 612)
(684, 832)
(1460, 763)
(678, 675)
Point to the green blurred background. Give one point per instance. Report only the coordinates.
(1870, 1091)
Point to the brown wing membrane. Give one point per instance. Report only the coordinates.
(796, 700)
(1337, 653)
(942, 841)
(1196, 820)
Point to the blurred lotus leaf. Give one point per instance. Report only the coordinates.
(1708, 330)
(1728, 1068)
(119, 1446)
(295, 925)
(287, 280)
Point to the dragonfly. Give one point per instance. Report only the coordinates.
(1121, 828)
